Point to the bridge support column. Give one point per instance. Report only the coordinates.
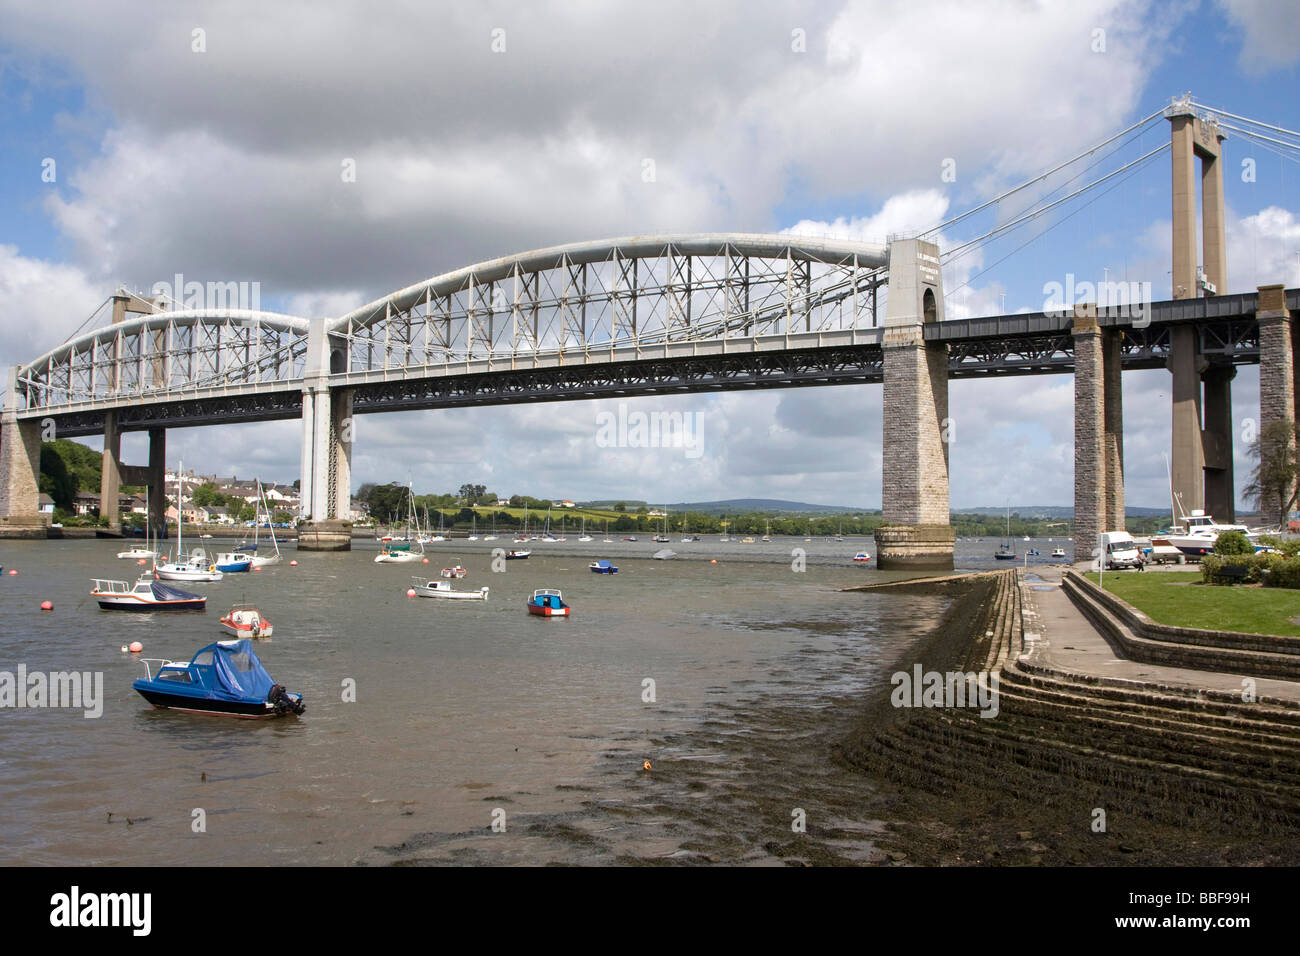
(341, 454)
(110, 474)
(1098, 432)
(1216, 443)
(326, 451)
(1277, 377)
(1187, 462)
(20, 470)
(158, 483)
(916, 533)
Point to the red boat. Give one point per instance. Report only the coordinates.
(547, 602)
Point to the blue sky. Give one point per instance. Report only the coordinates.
(223, 165)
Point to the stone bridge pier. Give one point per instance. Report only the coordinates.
(916, 533)
(20, 470)
(326, 464)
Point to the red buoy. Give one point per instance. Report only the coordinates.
(136, 647)
(410, 592)
(293, 564)
(47, 605)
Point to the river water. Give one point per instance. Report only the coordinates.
(466, 713)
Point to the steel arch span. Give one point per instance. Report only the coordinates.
(167, 357)
(641, 292)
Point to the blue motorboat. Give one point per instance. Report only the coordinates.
(233, 561)
(602, 567)
(225, 678)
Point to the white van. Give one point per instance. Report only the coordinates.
(1119, 550)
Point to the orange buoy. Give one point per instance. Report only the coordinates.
(424, 560)
(136, 647)
(293, 564)
(47, 605)
(410, 592)
(13, 570)
(646, 765)
(714, 561)
(141, 562)
(257, 569)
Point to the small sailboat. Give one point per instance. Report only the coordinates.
(767, 531)
(584, 536)
(197, 567)
(473, 528)
(136, 551)
(262, 560)
(547, 602)
(1006, 552)
(400, 552)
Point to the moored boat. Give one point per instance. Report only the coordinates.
(862, 558)
(443, 589)
(454, 572)
(245, 621)
(146, 595)
(233, 562)
(517, 555)
(1058, 553)
(224, 679)
(547, 602)
(603, 567)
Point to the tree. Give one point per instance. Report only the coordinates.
(1273, 482)
(206, 496)
(621, 507)
(56, 481)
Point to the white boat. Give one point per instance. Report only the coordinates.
(197, 567)
(262, 560)
(146, 595)
(584, 536)
(1198, 537)
(1058, 553)
(136, 552)
(244, 620)
(443, 589)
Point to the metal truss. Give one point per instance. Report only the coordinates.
(639, 292)
(213, 410)
(775, 369)
(165, 354)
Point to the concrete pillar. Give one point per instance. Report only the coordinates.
(914, 479)
(321, 427)
(342, 454)
(1113, 429)
(1183, 153)
(1216, 443)
(305, 473)
(1277, 372)
(110, 473)
(1187, 462)
(1192, 139)
(1090, 433)
(158, 483)
(20, 470)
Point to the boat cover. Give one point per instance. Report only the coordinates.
(603, 564)
(236, 671)
(165, 592)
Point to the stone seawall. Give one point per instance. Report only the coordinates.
(1064, 746)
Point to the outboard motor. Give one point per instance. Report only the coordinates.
(284, 704)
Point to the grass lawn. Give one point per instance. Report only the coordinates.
(1178, 598)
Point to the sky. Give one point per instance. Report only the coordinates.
(146, 140)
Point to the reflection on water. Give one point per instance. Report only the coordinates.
(461, 708)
